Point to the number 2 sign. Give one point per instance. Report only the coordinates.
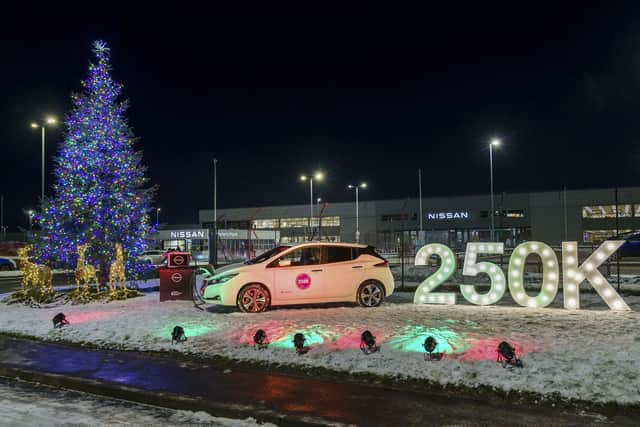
(572, 274)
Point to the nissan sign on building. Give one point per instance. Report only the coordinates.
(202, 234)
(448, 215)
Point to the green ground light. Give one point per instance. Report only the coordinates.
(191, 328)
(412, 340)
(314, 335)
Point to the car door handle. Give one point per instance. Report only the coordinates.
(315, 271)
(357, 266)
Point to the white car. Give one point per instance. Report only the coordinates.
(153, 257)
(307, 273)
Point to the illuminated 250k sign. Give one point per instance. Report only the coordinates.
(572, 274)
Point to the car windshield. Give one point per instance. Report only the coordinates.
(265, 256)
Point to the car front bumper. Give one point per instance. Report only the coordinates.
(219, 294)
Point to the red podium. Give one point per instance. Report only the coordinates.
(176, 284)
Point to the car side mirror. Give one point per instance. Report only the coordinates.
(284, 263)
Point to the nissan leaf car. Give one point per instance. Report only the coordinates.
(308, 273)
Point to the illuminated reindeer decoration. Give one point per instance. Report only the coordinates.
(116, 272)
(38, 276)
(84, 272)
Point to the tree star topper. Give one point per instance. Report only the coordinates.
(100, 46)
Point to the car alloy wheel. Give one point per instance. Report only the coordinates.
(253, 299)
(370, 294)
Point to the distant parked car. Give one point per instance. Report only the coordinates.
(7, 264)
(631, 246)
(154, 257)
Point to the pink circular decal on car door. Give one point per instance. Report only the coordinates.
(303, 281)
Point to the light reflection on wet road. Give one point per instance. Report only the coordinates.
(343, 402)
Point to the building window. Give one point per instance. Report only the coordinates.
(294, 222)
(598, 236)
(513, 213)
(265, 223)
(397, 217)
(608, 211)
(238, 225)
(327, 221)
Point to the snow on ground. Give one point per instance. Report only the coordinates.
(23, 404)
(590, 354)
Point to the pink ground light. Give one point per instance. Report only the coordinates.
(487, 348)
(350, 339)
(90, 316)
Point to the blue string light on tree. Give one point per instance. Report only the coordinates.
(101, 194)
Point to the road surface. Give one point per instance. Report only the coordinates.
(272, 396)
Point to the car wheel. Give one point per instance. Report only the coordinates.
(5, 267)
(253, 298)
(370, 294)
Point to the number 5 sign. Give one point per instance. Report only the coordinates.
(572, 274)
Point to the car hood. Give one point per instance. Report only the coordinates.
(235, 267)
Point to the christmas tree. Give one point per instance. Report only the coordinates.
(101, 197)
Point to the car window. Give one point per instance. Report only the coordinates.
(266, 255)
(303, 256)
(339, 254)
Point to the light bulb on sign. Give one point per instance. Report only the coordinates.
(589, 269)
(548, 289)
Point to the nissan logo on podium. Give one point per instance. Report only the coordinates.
(176, 283)
(178, 259)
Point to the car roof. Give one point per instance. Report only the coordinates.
(346, 245)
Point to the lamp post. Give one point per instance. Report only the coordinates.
(158, 216)
(318, 176)
(357, 187)
(318, 200)
(42, 125)
(213, 245)
(494, 143)
(2, 230)
(30, 215)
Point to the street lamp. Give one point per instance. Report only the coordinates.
(158, 216)
(357, 187)
(42, 125)
(318, 176)
(30, 215)
(494, 143)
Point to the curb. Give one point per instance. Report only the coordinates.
(161, 399)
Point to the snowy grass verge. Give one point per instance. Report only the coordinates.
(582, 356)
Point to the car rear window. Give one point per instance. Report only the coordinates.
(339, 254)
(369, 250)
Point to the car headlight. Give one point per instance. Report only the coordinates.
(223, 279)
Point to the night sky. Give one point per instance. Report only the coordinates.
(360, 94)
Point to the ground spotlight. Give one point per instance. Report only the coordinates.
(368, 343)
(177, 335)
(430, 345)
(507, 355)
(59, 320)
(298, 342)
(260, 340)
